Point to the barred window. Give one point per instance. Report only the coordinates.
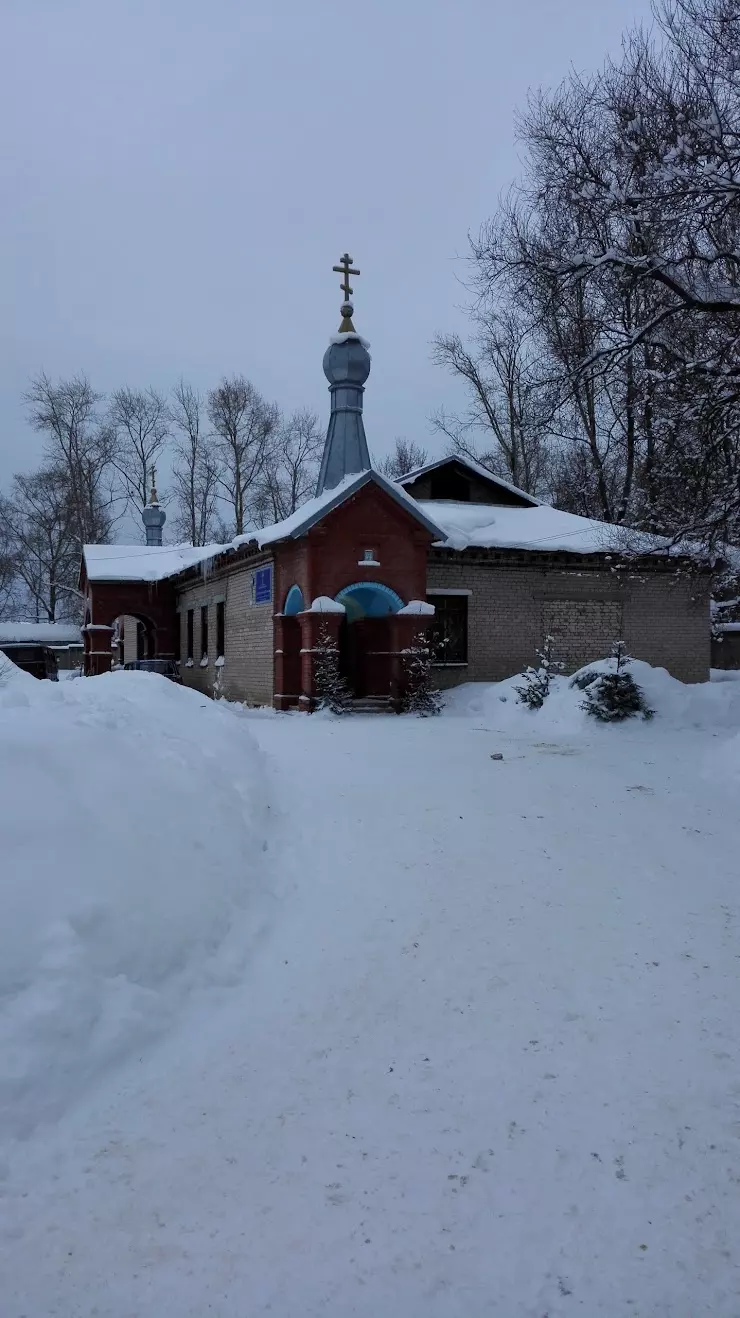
(449, 631)
(204, 631)
(220, 630)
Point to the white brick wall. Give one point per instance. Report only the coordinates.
(664, 619)
(247, 672)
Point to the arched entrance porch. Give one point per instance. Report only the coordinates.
(366, 640)
(134, 637)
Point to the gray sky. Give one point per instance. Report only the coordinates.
(179, 177)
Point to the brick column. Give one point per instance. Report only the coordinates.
(98, 652)
(313, 625)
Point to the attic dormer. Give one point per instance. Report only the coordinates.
(459, 480)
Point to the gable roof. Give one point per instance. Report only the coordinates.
(158, 562)
(475, 467)
(315, 509)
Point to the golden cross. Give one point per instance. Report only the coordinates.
(345, 268)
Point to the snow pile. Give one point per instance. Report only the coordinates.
(704, 706)
(132, 818)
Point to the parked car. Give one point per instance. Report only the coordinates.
(166, 667)
(38, 660)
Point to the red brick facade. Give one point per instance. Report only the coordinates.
(105, 601)
(513, 598)
(328, 559)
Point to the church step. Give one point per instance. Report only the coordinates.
(371, 705)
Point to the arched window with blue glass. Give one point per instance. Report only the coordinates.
(369, 599)
(293, 602)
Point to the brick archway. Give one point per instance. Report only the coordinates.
(151, 602)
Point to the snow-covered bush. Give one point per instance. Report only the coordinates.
(536, 685)
(420, 694)
(613, 696)
(332, 691)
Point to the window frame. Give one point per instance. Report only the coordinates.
(220, 629)
(190, 634)
(203, 632)
(453, 615)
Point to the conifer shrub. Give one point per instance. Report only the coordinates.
(332, 691)
(420, 694)
(536, 685)
(614, 696)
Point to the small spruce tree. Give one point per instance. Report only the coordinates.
(332, 691)
(420, 694)
(614, 696)
(536, 685)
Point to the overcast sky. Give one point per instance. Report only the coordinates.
(179, 177)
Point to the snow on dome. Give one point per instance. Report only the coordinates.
(324, 604)
(420, 607)
(342, 338)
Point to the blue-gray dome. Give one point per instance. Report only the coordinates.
(347, 362)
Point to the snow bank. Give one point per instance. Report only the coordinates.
(133, 819)
(706, 706)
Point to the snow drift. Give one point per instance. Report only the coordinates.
(133, 821)
(706, 706)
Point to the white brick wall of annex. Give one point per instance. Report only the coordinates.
(247, 671)
(663, 616)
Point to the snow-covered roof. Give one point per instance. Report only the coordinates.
(40, 633)
(143, 562)
(472, 466)
(540, 528)
(312, 512)
(155, 563)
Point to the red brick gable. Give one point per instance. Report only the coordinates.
(329, 557)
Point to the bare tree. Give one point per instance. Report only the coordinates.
(244, 425)
(510, 405)
(40, 519)
(8, 578)
(290, 471)
(623, 240)
(66, 413)
(139, 420)
(407, 455)
(195, 468)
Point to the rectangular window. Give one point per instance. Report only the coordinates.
(204, 632)
(262, 585)
(178, 638)
(190, 633)
(449, 631)
(220, 630)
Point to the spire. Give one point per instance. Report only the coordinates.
(346, 367)
(153, 516)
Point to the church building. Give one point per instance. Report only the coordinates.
(450, 548)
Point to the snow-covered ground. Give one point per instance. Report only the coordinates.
(461, 1041)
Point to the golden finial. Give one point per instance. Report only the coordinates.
(345, 268)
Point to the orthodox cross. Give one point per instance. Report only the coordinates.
(345, 268)
(153, 498)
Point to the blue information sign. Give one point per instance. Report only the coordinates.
(263, 585)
